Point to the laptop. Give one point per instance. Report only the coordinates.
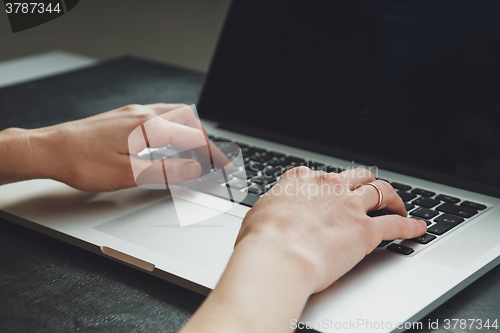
(405, 88)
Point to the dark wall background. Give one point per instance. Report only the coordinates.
(180, 32)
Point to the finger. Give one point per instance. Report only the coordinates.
(354, 178)
(398, 227)
(161, 108)
(166, 171)
(158, 133)
(184, 115)
(177, 113)
(390, 199)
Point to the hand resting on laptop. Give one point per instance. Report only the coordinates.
(92, 154)
(304, 234)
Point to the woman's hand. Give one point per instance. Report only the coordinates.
(301, 236)
(322, 219)
(94, 154)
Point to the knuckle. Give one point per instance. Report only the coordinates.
(322, 176)
(328, 178)
(364, 173)
(397, 223)
(302, 168)
(144, 115)
(130, 107)
(389, 191)
(335, 178)
(287, 175)
(388, 187)
(295, 172)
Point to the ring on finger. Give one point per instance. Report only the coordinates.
(380, 195)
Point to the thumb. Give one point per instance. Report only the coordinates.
(168, 171)
(398, 227)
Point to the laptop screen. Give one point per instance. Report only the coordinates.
(412, 86)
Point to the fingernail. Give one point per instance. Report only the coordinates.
(191, 171)
(422, 223)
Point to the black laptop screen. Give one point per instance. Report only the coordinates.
(403, 83)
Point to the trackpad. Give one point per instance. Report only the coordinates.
(156, 227)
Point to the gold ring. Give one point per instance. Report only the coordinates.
(380, 195)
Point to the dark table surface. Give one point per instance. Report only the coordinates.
(47, 285)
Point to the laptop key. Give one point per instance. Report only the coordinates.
(448, 218)
(474, 205)
(441, 227)
(316, 166)
(259, 150)
(238, 183)
(424, 239)
(272, 172)
(263, 180)
(426, 202)
(257, 189)
(254, 166)
(423, 192)
(250, 200)
(424, 213)
(406, 196)
(227, 147)
(426, 221)
(380, 212)
(335, 169)
(260, 158)
(409, 206)
(247, 152)
(218, 139)
(447, 198)
(457, 210)
(384, 243)
(400, 249)
(276, 154)
(276, 162)
(296, 160)
(247, 174)
(399, 186)
(382, 179)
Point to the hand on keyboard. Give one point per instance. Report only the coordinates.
(321, 218)
(93, 154)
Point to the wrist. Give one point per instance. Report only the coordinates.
(17, 156)
(43, 157)
(273, 281)
(268, 245)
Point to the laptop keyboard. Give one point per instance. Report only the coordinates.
(263, 168)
